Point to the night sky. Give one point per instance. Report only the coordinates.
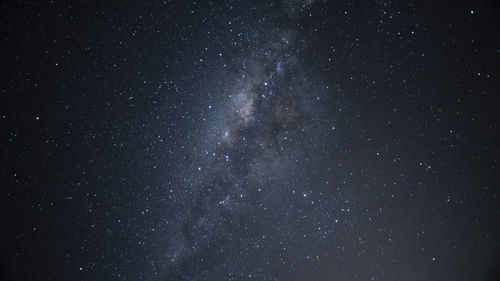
(291, 140)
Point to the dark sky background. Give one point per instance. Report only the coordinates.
(293, 140)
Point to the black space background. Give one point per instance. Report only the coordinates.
(104, 113)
